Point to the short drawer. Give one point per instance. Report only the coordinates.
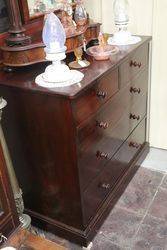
(103, 185)
(134, 65)
(89, 102)
(100, 140)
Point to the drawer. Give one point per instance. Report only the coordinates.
(103, 185)
(94, 98)
(99, 144)
(134, 65)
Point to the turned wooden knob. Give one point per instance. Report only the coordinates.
(105, 186)
(101, 155)
(134, 144)
(134, 117)
(103, 125)
(101, 94)
(135, 90)
(135, 64)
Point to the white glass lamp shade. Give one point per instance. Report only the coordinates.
(53, 35)
(121, 12)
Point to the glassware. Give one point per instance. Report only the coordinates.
(121, 12)
(56, 74)
(121, 17)
(78, 52)
(80, 14)
(53, 35)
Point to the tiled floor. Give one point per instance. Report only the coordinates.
(156, 160)
(138, 221)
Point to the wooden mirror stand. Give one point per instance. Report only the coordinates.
(23, 44)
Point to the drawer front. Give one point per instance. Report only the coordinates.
(99, 142)
(134, 65)
(94, 98)
(102, 186)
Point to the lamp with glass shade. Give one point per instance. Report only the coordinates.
(57, 74)
(121, 18)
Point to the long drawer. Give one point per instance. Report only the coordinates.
(134, 65)
(101, 143)
(95, 97)
(102, 186)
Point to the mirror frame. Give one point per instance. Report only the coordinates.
(24, 10)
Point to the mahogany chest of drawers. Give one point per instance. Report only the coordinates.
(76, 148)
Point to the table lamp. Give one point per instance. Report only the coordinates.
(121, 18)
(57, 74)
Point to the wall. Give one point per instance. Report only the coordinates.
(147, 17)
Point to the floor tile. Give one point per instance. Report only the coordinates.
(141, 190)
(156, 159)
(101, 243)
(159, 206)
(152, 235)
(120, 227)
(164, 183)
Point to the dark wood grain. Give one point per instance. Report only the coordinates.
(8, 215)
(105, 182)
(33, 53)
(106, 141)
(88, 103)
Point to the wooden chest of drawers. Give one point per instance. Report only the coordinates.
(75, 149)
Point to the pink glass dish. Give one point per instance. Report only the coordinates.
(102, 53)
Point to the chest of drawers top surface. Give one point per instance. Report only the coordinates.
(24, 78)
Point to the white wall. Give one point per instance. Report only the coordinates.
(93, 7)
(147, 17)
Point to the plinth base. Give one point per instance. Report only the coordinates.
(76, 77)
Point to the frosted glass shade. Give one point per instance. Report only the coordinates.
(121, 12)
(80, 14)
(53, 35)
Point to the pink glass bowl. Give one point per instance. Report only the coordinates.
(102, 54)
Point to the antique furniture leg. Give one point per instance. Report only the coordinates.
(24, 218)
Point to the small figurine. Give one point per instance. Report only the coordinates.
(103, 51)
(101, 40)
(79, 63)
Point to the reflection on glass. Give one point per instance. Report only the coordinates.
(4, 21)
(37, 7)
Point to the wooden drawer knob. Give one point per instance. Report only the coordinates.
(134, 117)
(135, 90)
(105, 186)
(103, 125)
(135, 64)
(102, 94)
(134, 144)
(101, 155)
